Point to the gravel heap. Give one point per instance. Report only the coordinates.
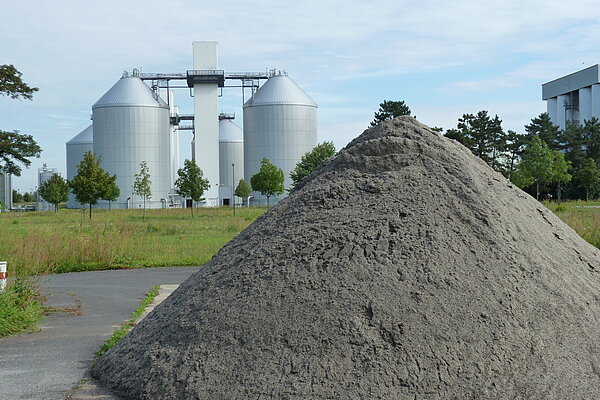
(405, 268)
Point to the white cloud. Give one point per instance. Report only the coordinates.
(339, 51)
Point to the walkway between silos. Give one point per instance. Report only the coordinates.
(45, 365)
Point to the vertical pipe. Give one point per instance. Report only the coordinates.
(232, 186)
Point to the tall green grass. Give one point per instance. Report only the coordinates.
(40, 243)
(583, 217)
(45, 242)
(20, 307)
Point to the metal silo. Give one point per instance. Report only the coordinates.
(131, 125)
(76, 148)
(280, 123)
(231, 151)
(44, 174)
(5, 192)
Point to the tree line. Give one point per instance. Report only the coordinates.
(544, 160)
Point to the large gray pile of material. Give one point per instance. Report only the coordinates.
(405, 268)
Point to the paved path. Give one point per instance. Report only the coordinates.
(46, 364)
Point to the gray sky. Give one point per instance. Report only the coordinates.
(443, 58)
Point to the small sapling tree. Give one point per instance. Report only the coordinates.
(269, 180)
(142, 184)
(55, 190)
(111, 189)
(243, 190)
(191, 182)
(89, 183)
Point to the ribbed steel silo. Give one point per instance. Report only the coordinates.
(76, 148)
(231, 151)
(44, 174)
(131, 125)
(5, 192)
(280, 123)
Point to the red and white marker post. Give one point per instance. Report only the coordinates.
(2, 275)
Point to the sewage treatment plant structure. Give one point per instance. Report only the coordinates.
(134, 122)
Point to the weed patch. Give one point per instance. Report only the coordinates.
(20, 307)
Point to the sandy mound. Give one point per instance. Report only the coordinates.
(404, 269)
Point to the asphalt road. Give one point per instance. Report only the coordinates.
(44, 365)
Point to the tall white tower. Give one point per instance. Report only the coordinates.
(206, 79)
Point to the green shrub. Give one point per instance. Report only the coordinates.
(20, 307)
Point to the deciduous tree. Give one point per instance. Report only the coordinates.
(243, 190)
(269, 180)
(89, 184)
(142, 184)
(536, 165)
(588, 177)
(191, 182)
(55, 190)
(311, 161)
(111, 189)
(15, 147)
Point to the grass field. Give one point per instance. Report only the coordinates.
(583, 217)
(46, 242)
(39, 243)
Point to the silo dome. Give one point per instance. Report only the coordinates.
(280, 123)
(231, 151)
(131, 125)
(76, 148)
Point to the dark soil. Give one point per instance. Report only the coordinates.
(405, 268)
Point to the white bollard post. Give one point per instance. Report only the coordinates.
(2, 275)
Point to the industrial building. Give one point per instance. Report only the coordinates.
(5, 191)
(574, 98)
(76, 148)
(44, 174)
(134, 122)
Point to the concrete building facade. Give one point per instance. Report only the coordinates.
(574, 98)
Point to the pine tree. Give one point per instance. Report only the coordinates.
(543, 127)
(390, 109)
(482, 135)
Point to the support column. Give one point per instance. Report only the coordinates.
(585, 104)
(551, 107)
(596, 101)
(206, 113)
(561, 111)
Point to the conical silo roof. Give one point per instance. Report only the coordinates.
(86, 136)
(280, 89)
(229, 131)
(130, 91)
